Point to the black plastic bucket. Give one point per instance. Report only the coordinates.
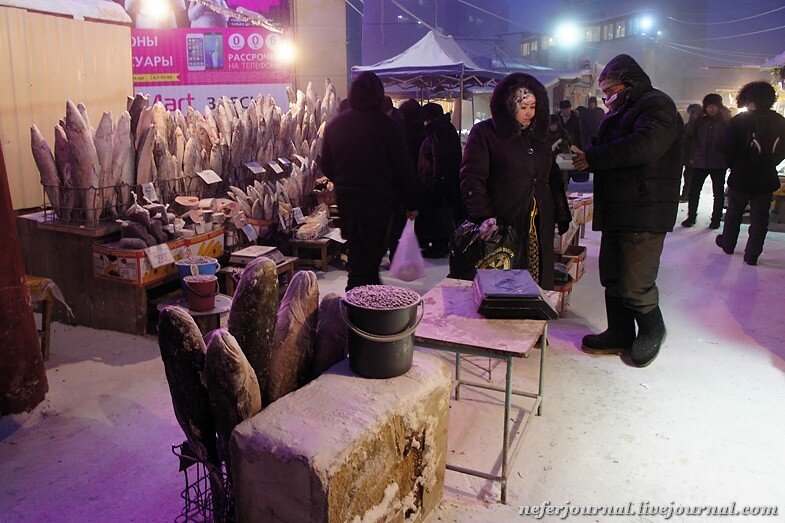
(380, 340)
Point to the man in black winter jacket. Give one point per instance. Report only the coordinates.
(637, 166)
(364, 154)
(707, 132)
(571, 121)
(754, 146)
(438, 166)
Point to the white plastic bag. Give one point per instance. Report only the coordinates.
(408, 263)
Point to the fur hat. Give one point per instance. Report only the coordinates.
(760, 93)
(431, 111)
(712, 99)
(503, 121)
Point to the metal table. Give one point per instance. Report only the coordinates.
(451, 323)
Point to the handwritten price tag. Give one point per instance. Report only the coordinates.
(303, 161)
(209, 176)
(276, 168)
(250, 232)
(159, 255)
(298, 216)
(255, 167)
(148, 190)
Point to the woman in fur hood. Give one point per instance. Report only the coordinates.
(508, 176)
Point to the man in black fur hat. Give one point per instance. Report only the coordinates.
(637, 166)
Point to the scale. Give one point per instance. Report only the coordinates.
(248, 254)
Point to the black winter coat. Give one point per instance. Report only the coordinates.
(750, 171)
(708, 135)
(573, 127)
(364, 154)
(504, 167)
(590, 123)
(439, 163)
(637, 159)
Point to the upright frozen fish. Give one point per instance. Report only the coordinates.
(295, 335)
(86, 164)
(231, 384)
(332, 336)
(253, 315)
(45, 160)
(183, 352)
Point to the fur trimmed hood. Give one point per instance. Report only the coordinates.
(504, 122)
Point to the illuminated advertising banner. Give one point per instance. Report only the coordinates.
(185, 54)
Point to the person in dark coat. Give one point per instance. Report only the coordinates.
(571, 121)
(560, 144)
(413, 129)
(364, 154)
(693, 111)
(438, 165)
(508, 175)
(707, 131)
(393, 112)
(590, 119)
(636, 163)
(754, 146)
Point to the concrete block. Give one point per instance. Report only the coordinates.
(345, 448)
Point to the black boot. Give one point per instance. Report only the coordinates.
(689, 222)
(651, 333)
(620, 332)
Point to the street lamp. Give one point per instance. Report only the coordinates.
(567, 34)
(646, 23)
(285, 52)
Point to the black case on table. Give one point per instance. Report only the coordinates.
(511, 294)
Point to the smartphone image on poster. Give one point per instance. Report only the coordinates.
(214, 50)
(194, 44)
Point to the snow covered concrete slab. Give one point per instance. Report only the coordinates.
(345, 448)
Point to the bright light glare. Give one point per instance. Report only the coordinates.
(285, 52)
(647, 23)
(156, 9)
(567, 34)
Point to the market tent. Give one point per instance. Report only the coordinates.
(777, 61)
(433, 65)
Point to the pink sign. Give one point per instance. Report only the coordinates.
(219, 55)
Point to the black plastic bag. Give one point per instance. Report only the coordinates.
(468, 252)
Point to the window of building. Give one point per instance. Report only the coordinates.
(593, 33)
(633, 26)
(545, 43)
(526, 49)
(608, 31)
(479, 20)
(621, 28)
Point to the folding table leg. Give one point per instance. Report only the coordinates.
(543, 345)
(505, 439)
(458, 375)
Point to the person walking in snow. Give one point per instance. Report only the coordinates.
(364, 154)
(707, 131)
(754, 146)
(636, 163)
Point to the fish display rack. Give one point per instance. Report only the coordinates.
(87, 208)
(198, 503)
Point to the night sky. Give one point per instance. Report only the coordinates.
(539, 15)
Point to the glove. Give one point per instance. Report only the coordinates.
(488, 228)
(563, 226)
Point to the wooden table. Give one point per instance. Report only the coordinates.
(452, 323)
(285, 274)
(321, 245)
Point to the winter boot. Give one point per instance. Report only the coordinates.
(719, 240)
(620, 333)
(714, 224)
(689, 222)
(651, 333)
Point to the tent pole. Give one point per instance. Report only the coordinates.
(458, 116)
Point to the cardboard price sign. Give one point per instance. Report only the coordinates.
(298, 216)
(277, 169)
(250, 232)
(209, 176)
(255, 167)
(159, 255)
(148, 190)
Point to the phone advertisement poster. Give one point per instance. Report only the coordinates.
(193, 55)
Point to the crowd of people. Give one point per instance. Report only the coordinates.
(389, 165)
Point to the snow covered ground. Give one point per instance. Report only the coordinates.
(703, 425)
